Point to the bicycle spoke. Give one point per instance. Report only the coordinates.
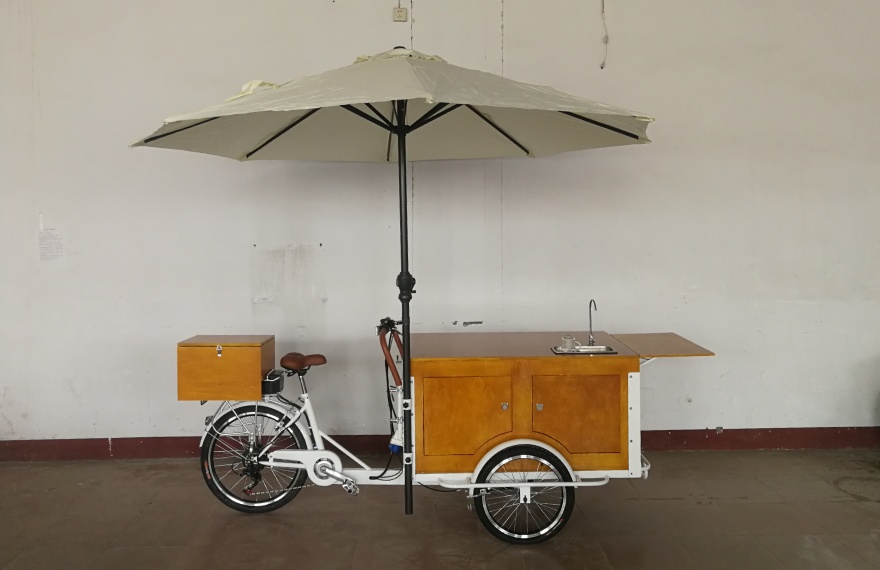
(541, 509)
(229, 449)
(530, 521)
(234, 458)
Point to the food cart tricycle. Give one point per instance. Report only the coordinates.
(516, 421)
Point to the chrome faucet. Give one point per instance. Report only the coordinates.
(591, 307)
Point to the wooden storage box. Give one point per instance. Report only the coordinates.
(223, 367)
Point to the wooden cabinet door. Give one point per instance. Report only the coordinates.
(464, 413)
(580, 411)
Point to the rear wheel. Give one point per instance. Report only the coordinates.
(524, 517)
(231, 454)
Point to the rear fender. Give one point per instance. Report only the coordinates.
(277, 407)
(513, 443)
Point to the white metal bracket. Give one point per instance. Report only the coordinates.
(477, 489)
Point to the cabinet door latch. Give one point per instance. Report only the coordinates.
(539, 407)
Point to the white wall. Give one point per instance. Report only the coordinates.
(749, 225)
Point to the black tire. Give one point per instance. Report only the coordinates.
(229, 464)
(501, 510)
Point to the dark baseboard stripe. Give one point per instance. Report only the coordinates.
(762, 438)
(674, 440)
(115, 448)
(146, 448)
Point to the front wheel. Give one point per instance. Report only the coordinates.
(524, 518)
(231, 453)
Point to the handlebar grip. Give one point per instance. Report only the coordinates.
(389, 360)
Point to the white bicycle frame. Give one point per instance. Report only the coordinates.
(320, 463)
(324, 466)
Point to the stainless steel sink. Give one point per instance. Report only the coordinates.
(597, 349)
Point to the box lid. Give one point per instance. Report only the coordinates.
(227, 340)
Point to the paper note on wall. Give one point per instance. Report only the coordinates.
(50, 242)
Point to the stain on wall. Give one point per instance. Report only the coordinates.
(289, 289)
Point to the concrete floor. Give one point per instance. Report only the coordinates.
(737, 510)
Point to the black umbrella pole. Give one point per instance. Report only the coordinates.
(405, 282)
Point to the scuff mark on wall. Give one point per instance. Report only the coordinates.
(9, 423)
(71, 386)
(288, 289)
(5, 399)
(471, 323)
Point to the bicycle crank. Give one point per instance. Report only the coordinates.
(324, 469)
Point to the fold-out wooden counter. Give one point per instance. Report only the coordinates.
(661, 345)
(473, 391)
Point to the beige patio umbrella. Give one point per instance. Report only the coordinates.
(399, 106)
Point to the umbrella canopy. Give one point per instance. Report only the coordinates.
(454, 112)
(392, 107)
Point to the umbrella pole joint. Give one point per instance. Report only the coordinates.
(406, 283)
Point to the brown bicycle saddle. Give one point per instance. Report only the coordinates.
(297, 361)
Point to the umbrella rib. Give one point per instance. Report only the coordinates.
(603, 125)
(391, 131)
(427, 115)
(388, 149)
(432, 115)
(163, 135)
(363, 115)
(379, 114)
(499, 129)
(284, 130)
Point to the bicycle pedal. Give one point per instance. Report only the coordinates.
(350, 487)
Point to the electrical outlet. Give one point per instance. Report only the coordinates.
(400, 14)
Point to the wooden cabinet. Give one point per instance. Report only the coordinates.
(465, 412)
(223, 367)
(580, 411)
(466, 405)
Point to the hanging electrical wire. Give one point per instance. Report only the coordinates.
(605, 37)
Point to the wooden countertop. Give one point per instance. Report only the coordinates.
(507, 344)
(660, 345)
(538, 344)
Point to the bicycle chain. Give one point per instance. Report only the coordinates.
(288, 489)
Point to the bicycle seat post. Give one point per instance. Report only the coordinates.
(302, 381)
